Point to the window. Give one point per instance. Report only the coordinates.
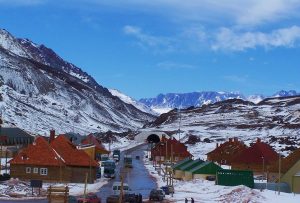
(28, 170)
(43, 171)
(35, 170)
(176, 158)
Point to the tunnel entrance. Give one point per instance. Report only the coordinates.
(153, 138)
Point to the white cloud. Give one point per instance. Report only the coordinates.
(147, 40)
(237, 12)
(228, 39)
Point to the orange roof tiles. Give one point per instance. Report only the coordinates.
(70, 153)
(59, 151)
(38, 153)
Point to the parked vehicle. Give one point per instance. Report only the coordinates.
(128, 161)
(116, 155)
(112, 199)
(137, 157)
(72, 199)
(90, 198)
(156, 195)
(128, 198)
(109, 172)
(104, 157)
(211, 178)
(108, 163)
(168, 189)
(117, 188)
(133, 198)
(4, 177)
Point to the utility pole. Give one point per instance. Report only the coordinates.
(179, 124)
(279, 174)
(121, 191)
(171, 171)
(263, 174)
(85, 184)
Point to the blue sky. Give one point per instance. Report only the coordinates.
(144, 48)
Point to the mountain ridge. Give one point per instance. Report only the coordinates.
(40, 91)
(166, 102)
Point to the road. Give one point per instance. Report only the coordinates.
(137, 177)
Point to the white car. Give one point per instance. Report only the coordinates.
(117, 188)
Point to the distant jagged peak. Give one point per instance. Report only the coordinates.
(286, 93)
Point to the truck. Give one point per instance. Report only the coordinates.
(108, 164)
(109, 172)
(128, 161)
(116, 155)
(104, 157)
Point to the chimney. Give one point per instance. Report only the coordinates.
(230, 139)
(52, 135)
(235, 139)
(217, 145)
(258, 140)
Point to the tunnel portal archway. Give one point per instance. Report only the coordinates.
(153, 138)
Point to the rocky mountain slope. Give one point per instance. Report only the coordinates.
(166, 102)
(129, 100)
(41, 91)
(271, 119)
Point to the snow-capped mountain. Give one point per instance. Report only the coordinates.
(132, 101)
(284, 93)
(41, 91)
(166, 102)
(272, 118)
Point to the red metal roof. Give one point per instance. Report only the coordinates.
(71, 155)
(178, 148)
(38, 153)
(59, 152)
(257, 154)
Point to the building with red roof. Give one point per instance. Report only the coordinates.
(258, 158)
(226, 152)
(57, 161)
(169, 149)
(93, 147)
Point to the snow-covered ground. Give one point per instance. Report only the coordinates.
(208, 192)
(16, 189)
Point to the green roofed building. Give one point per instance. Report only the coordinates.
(181, 163)
(234, 178)
(176, 168)
(201, 171)
(179, 172)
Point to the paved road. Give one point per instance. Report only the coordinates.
(137, 177)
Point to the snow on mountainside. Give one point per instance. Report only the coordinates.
(166, 102)
(276, 120)
(284, 93)
(41, 91)
(163, 103)
(131, 101)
